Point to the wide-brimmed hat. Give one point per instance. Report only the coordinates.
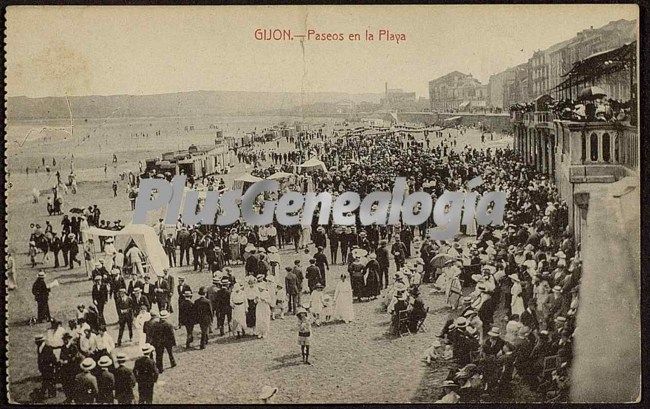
(41, 274)
(88, 364)
(467, 300)
(460, 322)
(225, 281)
(514, 277)
(272, 249)
(147, 349)
(121, 357)
(105, 361)
(215, 280)
(164, 314)
(301, 310)
(495, 332)
(137, 290)
(187, 293)
(319, 285)
(267, 392)
(557, 288)
(469, 313)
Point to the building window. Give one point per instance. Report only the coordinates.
(617, 159)
(606, 148)
(593, 154)
(583, 153)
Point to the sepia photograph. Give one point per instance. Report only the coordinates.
(311, 204)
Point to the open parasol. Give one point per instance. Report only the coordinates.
(440, 260)
(591, 93)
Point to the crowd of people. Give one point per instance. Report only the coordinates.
(511, 289)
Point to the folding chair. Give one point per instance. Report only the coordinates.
(403, 323)
(421, 326)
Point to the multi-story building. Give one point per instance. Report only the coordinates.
(457, 91)
(498, 88)
(546, 68)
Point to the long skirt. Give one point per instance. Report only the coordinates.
(250, 314)
(262, 318)
(372, 285)
(357, 286)
(234, 252)
(239, 317)
(343, 309)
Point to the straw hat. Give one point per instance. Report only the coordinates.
(164, 314)
(147, 349)
(88, 364)
(460, 322)
(300, 310)
(121, 358)
(105, 361)
(41, 274)
(495, 332)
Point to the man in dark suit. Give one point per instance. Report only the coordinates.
(223, 309)
(124, 381)
(146, 374)
(383, 260)
(170, 249)
(399, 252)
(181, 288)
(100, 296)
(203, 314)
(125, 310)
(186, 315)
(163, 339)
(148, 291)
(55, 246)
(184, 242)
(139, 300)
(161, 292)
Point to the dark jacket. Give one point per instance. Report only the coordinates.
(124, 383)
(203, 311)
(105, 387)
(186, 312)
(145, 371)
(163, 335)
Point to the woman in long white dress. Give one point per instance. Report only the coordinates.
(516, 302)
(239, 304)
(138, 323)
(343, 300)
(262, 311)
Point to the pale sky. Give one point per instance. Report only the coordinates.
(91, 50)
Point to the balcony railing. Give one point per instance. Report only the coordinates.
(598, 151)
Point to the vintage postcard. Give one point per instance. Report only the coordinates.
(322, 204)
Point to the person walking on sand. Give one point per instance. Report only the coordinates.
(343, 300)
(304, 333)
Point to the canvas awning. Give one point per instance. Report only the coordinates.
(314, 164)
(143, 236)
(280, 176)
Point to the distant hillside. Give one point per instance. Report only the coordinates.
(195, 103)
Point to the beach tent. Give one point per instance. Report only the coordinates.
(245, 181)
(143, 236)
(280, 176)
(313, 164)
